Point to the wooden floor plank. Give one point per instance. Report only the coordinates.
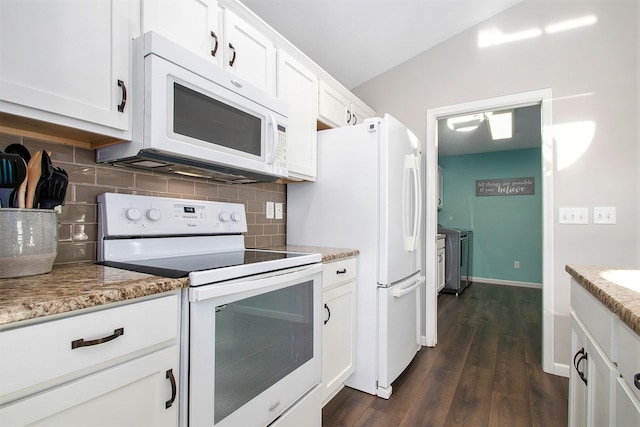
(482, 372)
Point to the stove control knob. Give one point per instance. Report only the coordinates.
(235, 217)
(224, 216)
(132, 214)
(153, 215)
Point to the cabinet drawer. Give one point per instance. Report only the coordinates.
(45, 354)
(598, 320)
(340, 271)
(628, 352)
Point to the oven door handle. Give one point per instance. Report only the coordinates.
(247, 284)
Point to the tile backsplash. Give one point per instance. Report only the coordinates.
(78, 222)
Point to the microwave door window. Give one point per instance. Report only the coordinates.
(204, 118)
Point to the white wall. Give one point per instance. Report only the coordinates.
(593, 74)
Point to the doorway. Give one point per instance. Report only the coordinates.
(542, 97)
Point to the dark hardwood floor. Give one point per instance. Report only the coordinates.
(485, 371)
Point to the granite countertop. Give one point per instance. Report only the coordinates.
(618, 289)
(77, 286)
(328, 254)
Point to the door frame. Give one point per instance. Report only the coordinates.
(542, 97)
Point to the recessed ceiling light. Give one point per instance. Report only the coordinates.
(500, 124)
(465, 123)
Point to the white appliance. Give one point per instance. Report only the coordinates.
(193, 118)
(368, 197)
(251, 319)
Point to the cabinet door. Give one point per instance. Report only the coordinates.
(332, 106)
(627, 411)
(577, 386)
(299, 88)
(248, 53)
(601, 375)
(192, 24)
(441, 260)
(141, 392)
(358, 112)
(67, 62)
(338, 338)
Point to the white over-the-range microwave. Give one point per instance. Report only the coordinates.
(193, 118)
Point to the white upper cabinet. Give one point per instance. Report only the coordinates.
(249, 53)
(339, 108)
(332, 106)
(298, 87)
(67, 62)
(193, 24)
(217, 34)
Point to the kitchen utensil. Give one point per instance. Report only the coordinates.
(17, 198)
(34, 172)
(53, 190)
(12, 173)
(39, 172)
(20, 150)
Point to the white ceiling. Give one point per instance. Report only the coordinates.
(356, 40)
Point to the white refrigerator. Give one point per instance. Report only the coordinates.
(368, 197)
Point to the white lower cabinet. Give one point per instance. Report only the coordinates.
(115, 366)
(338, 331)
(134, 393)
(604, 365)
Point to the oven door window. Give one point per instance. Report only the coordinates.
(204, 118)
(258, 341)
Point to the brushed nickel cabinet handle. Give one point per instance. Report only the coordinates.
(82, 343)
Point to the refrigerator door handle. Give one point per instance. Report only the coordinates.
(398, 293)
(411, 239)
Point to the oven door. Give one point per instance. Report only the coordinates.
(254, 346)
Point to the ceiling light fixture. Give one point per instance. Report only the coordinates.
(500, 124)
(465, 123)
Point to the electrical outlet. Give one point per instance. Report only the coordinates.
(270, 210)
(278, 210)
(604, 215)
(574, 216)
(516, 264)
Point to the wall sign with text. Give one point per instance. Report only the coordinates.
(505, 187)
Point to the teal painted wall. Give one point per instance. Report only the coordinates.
(505, 228)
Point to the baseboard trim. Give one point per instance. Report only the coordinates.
(506, 282)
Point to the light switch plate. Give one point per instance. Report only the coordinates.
(574, 216)
(604, 215)
(278, 210)
(270, 210)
